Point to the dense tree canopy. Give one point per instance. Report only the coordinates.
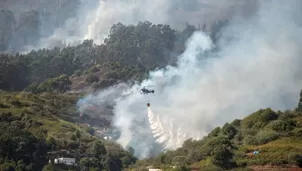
(130, 51)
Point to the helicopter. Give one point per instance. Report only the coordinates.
(146, 91)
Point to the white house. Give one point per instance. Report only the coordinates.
(65, 160)
(107, 138)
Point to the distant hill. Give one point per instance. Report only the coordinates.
(24, 22)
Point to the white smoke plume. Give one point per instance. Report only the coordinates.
(166, 132)
(171, 102)
(95, 17)
(101, 100)
(257, 65)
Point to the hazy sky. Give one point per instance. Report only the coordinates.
(94, 18)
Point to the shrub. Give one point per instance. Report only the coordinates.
(236, 123)
(295, 159)
(16, 103)
(94, 69)
(178, 160)
(250, 140)
(279, 126)
(221, 157)
(78, 73)
(215, 132)
(91, 78)
(111, 75)
(297, 132)
(238, 137)
(89, 130)
(229, 130)
(259, 119)
(264, 137)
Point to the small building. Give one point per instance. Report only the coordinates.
(107, 137)
(151, 168)
(65, 160)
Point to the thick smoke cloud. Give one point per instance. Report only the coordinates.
(102, 100)
(256, 66)
(95, 17)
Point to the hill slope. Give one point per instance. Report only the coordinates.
(32, 126)
(276, 136)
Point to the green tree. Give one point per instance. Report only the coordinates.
(221, 157)
(98, 149)
(229, 130)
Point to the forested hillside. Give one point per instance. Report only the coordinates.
(128, 53)
(275, 136)
(40, 89)
(37, 128)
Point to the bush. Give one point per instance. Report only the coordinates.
(4, 105)
(94, 69)
(238, 137)
(264, 137)
(218, 142)
(193, 156)
(279, 126)
(297, 132)
(89, 130)
(229, 130)
(91, 78)
(222, 157)
(259, 119)
(250, 140)
(111, 75)
(287, 114)
(295, 159)
(179, 160)
(215, 132)
(241, 162)
(73, 145)
(16, 103)
(236, 123)
(78, 73)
